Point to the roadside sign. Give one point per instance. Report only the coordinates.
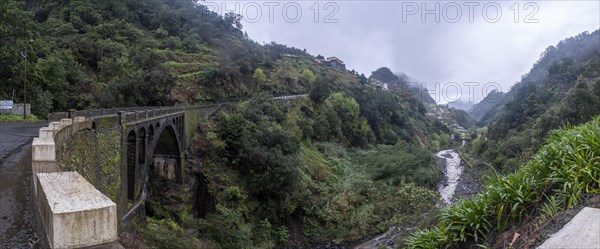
(6, 104)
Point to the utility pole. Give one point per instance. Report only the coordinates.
(24, 55)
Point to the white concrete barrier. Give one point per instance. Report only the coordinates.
(74, 213)
(46, 133)
(43, 147)
(78, 119)
(55, 125)
(43, 150)
(66, 121)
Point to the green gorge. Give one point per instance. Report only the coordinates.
(538, 163)
(338, 159)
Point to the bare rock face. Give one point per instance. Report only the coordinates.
(167, 197)
(165, 168)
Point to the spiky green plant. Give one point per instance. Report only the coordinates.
(437, 237)
(550, 208)
(467, 218)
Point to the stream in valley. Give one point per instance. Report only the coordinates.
(452, 168)
(452, 172)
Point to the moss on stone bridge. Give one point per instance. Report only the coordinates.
(95, 154)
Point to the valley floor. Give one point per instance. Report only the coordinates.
(471, 181)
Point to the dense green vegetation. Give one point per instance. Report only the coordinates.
(135, 53)
(563, 171)
(338, 165)
(461, 117)
(295, 172)
(568, 92)
(308, 170)
(347, 161)
(314, 169)
(278, 172)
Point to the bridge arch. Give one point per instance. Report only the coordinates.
(167, 142)
(166, 151)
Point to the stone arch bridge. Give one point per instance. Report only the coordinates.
(115, 151)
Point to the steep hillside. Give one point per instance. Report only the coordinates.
(401, 82)
(567, 93)
(486, 105)
(125, 53)
(583, 48)
(462, 105)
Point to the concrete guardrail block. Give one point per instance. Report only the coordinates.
(74, 213)
(78, 119)
(66, 121)
(46, 133)
(55, 125)
(43, 150)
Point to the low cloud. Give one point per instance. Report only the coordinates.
(430, 43)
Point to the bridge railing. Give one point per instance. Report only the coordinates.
(128, 114)
(144, 114)
(57, 116)
(149, 111)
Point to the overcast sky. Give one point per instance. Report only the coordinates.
(471, 41)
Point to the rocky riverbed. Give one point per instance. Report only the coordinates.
(453, 169)
(458, 181)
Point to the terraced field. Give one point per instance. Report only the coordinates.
(189, 69)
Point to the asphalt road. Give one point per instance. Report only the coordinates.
(17, 228)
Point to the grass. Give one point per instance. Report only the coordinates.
(181, 68)
(205, 55)
(190, 76)
(17, 118)
(562, 171)
(178, 65)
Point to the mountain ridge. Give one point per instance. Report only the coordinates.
(580, 48)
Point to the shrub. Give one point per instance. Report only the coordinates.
(167, 234)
